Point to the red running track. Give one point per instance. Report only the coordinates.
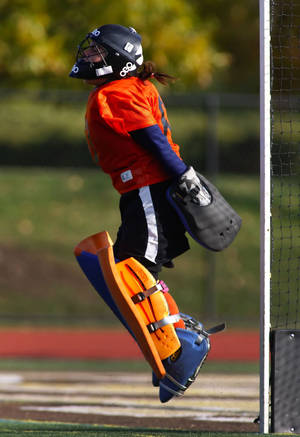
(112, 344)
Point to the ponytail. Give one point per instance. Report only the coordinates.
(149, 71)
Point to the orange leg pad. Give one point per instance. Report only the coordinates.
(116, 279)
(136, 279)
(173, 308)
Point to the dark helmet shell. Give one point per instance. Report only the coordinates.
(124, 53)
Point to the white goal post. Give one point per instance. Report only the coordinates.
(265, 211)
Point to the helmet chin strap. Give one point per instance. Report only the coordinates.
(100, 53)
(104, 70)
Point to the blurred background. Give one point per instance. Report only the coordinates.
(52, 195)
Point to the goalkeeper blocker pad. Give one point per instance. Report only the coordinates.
(214, 226)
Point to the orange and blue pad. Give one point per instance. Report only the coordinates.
(169, 341)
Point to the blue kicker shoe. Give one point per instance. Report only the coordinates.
(183, 367)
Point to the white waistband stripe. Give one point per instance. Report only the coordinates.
(152, 244)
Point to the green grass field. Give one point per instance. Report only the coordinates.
(48, 128)
(23, 429)
(46, 212)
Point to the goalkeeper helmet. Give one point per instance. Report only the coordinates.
(110, 51)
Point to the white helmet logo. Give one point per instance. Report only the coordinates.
(128, 47)
(75, 69)
(128, 67)
(96, 32)
(140, 59)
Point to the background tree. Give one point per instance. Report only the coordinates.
(39, 38)
(235, 25)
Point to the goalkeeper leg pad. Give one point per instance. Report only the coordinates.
(215, 225)
(175, 345)
(86, 255)
(135, 297)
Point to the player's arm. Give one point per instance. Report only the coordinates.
(153, 140)
(125, 116)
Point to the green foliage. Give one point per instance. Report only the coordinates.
(236, 32)
(196, 43)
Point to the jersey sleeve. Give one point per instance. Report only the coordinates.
(125, 111)
(152, 139)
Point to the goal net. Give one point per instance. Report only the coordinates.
(280, 223)
(285, 163)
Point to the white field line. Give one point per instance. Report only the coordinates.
(131, 412)
(240, 386)
(127, 378)
(211, 397)
(175, 405)
(239, 393)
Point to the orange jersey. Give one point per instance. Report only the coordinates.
(114, 110)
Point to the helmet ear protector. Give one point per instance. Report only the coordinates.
(111, 50)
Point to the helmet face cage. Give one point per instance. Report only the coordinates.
(88, 50)
(110, 51)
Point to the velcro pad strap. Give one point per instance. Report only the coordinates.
(139, 297)
(154, 326)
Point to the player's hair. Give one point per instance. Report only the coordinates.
(148, 71)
